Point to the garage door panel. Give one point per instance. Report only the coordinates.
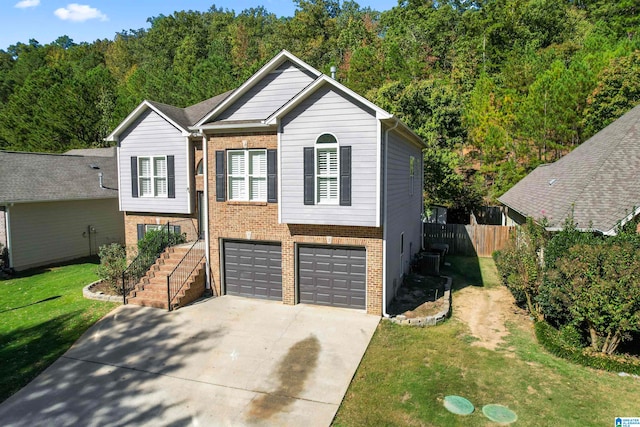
(332, 276)
(253, 269)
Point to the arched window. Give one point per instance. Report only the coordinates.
(327, 170)
(200, 168)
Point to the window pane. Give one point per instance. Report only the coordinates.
(145, 187)
(327, 138)
(328, 161)
(258, 163)
(236, 189)
(160, 186)
(327, 189)
(160, 166)
(257, 189)
(144, 167)
(236, 163)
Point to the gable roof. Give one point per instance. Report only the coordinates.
(278, 60)
(598, 181)
(181, 118)
(35, 177)
(98, 152)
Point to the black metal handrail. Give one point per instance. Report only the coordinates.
(138, 268)
(185, 268)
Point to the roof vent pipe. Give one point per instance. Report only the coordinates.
(101, 180)
(333, 72)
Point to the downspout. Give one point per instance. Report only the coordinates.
(385, 149)
(205, 167)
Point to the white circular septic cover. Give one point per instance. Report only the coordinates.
(458, 405)
(499, 414)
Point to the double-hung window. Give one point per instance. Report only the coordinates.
(327, 169)
(152, 176)
(247, 175)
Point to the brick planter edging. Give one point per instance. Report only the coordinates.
(87, 293)
(428, 320)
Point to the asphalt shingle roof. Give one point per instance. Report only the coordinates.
(191, 115)
(31, 177)
(599, 181)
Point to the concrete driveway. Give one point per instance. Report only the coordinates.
(226, 361)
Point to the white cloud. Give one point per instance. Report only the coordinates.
(27, 3)
(79, 13)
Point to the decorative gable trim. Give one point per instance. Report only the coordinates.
(128, 121)
(260, 74)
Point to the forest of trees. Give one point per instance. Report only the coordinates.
(495, 87)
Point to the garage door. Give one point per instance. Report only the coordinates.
(332, 276)
(253, 269)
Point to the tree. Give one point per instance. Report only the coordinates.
(601, 291)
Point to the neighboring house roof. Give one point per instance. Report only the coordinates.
(98, 152)
(34, 177)
(598, 181)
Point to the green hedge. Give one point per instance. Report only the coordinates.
(551, 340)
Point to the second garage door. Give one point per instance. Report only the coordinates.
(332, 276)
(253, 269)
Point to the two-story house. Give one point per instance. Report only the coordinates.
(308, 192)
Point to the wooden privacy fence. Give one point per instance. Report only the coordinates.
(471, 240)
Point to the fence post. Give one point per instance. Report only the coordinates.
(124, 292)
(168, 293)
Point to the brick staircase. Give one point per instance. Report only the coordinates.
(151, 291)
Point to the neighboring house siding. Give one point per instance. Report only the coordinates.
(151, 135)
(268, 94)
(3, 228)
(49, 232)
(328, 111)
(403, 209)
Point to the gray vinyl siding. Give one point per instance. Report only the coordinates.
(49, 232)
(329, 111)
(269, 94)
(152, 135)
(403, 209)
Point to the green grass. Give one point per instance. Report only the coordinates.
(406, 372)
(42, 313)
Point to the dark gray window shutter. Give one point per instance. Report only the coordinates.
(220, 178)
(309, 176)
(272, 176)
(140, 231)
(134, 176)
(171, 177)
(345, 176)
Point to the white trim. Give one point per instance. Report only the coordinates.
(279, 171)
(380, 113)
(114, 136)
(224, 126)
(153, 177)
(206, 210)
(326, 146)
(259, 75)
(379, 171)
(119, 170)
(190, 175)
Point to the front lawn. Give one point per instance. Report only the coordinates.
(406, 372)
(42, 313)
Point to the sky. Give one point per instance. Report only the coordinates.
(89, 20)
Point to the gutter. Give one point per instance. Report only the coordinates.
(385, 149)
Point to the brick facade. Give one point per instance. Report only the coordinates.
(188, 225)
(258, 221)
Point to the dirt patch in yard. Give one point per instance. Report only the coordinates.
(486, 311)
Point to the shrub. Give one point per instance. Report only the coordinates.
(154, 241)
(597, 284)
(113, 261)
(554, 342)
(521, 265)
